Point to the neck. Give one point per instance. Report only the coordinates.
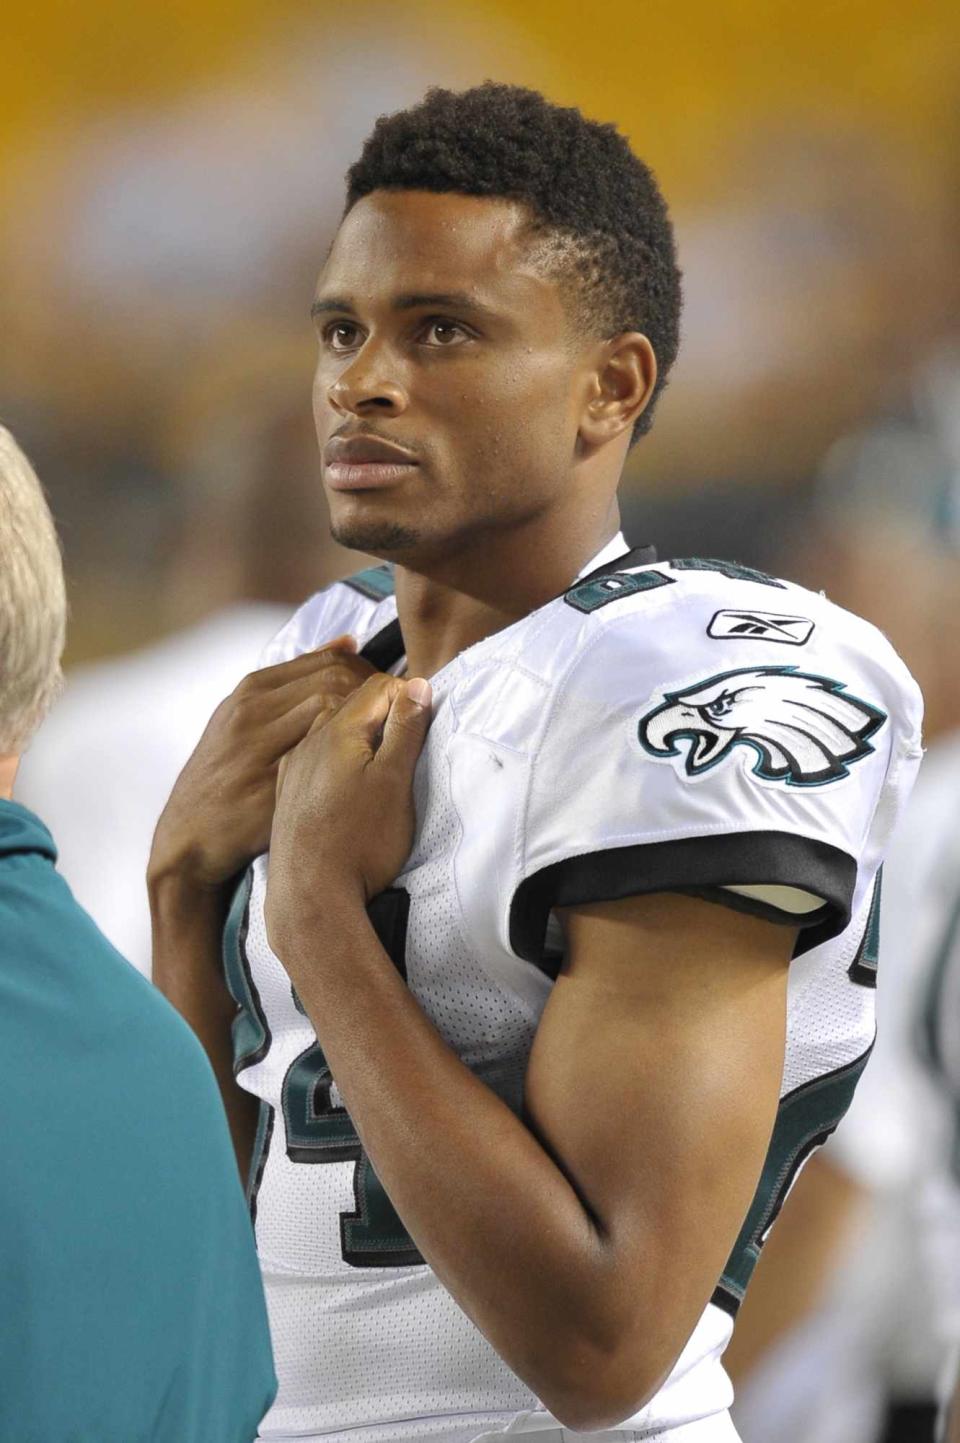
(8, 770)
(491, 581)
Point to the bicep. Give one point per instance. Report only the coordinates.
(654, 1080)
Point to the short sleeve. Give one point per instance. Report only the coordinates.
(671, 762)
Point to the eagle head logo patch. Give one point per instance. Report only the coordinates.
(805, 730)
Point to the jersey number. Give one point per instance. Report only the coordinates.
(805, 1119)
(317, 1126)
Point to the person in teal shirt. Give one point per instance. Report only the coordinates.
(132, 1308)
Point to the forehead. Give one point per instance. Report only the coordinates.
(407, 241)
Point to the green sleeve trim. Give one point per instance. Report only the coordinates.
(376, 582)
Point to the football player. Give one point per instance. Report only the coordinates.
(542, 1009)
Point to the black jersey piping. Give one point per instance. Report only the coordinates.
(250, 1059)
(701, 866)
(636, 556)
(261, 1151)
(385, 647)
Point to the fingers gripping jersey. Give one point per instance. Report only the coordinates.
(663, 727)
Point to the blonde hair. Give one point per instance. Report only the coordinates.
(33, 606)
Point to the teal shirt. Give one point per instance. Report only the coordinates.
(131, 1307)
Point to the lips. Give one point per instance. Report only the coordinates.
(358, 463)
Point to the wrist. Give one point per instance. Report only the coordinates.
(183, 863)
(194, 850)
(177, 891)
(187, 920)
(305, 921)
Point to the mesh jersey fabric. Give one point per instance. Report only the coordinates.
(549, 777)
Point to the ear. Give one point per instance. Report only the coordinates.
(620, 388)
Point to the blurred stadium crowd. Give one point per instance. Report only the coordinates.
(157, 254)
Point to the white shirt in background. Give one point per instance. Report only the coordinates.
(102, 766)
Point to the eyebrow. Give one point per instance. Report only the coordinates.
(411, 301)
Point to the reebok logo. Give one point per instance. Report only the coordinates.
(761, 626)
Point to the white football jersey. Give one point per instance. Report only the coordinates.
(688, 726)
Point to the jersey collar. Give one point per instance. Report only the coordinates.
(386, 647)
(615, 556)
(614, 549)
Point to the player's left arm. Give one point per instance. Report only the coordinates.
(586, 1239)
(654, 1082)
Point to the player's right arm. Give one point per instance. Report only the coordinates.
(216, 821)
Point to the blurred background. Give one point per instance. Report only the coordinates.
(172, 174)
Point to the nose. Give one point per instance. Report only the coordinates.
(367, 387)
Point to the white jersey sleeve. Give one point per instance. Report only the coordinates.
(699, 742)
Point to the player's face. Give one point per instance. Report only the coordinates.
(438, 337)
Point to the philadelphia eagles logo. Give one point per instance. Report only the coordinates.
(805, 730)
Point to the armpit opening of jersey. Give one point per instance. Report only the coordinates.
(785, 899)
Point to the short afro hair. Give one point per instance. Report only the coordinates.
(594, 205)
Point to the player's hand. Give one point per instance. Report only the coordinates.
(219, 813)
(344, 819)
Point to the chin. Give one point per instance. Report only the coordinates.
(387, 539)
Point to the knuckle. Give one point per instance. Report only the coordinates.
(248, 715)
(220, 714)
(332, 699)
(241, 707)
(245, 704)
(341, 677)
(343, 674)
(249, 685)
(329, 656)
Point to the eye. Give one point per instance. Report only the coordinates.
(722, 706)
(446, 334)
(340, 335)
